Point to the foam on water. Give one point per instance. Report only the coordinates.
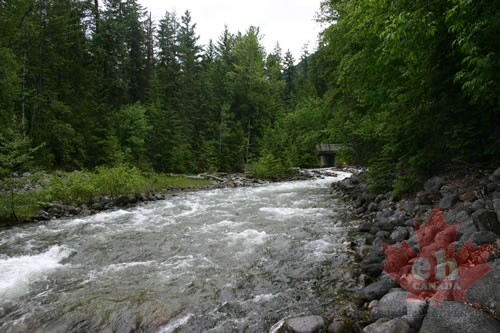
(17, 273)
(290, 211)
(175, 324)
(250, 236)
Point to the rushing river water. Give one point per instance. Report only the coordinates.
(227, 260)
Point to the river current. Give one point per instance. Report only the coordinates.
(225, 260)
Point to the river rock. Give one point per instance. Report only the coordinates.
(399, 235)
(457, 317)
(448, 201)
(428, 198)
(397, 325)
(372, 270)
(433, 184)
(486, 291)
(496, 206)
(378, 289)
(365, 227)
(416, 311)
(372, 207)
(478, 204)
(483, 237)
(492, 187)
(466, 227)
(42, 216)
(309, 324)
(392, 305)
(338, 326)
(374, 256)
(486, 220)
(496, 174)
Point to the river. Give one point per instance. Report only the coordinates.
(225, 260)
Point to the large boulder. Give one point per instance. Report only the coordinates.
(486, 291)
(392, 305)
(458, 317)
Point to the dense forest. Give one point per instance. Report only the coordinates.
(409, 87)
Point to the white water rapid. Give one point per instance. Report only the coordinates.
(227, 260)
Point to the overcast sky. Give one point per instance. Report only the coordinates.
(291, 22)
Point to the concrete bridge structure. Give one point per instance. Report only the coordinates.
(327, 153)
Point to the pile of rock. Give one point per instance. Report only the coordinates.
(473, 199)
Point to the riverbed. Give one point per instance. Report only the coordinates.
(224, 260)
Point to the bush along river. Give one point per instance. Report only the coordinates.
(220, 260)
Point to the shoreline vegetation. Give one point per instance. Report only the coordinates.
(40, 196)
(37, 197)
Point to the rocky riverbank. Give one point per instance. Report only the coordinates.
(220, 180)
(473, 199)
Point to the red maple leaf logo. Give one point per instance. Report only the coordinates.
(436, 272)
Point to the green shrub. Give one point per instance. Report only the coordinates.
(118, 180)
(269, 167)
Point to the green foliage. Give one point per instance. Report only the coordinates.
(269, 167)
(392, 73)
(132, 130)
(71, 188)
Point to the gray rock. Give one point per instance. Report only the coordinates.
(478, 204)
(378, 289)
(398, 219)
(391, 305)
(378, 242)
(365, 227)
(410, 207)
(486, 220)
(338, 326)
(458, 318)
(383, 234)
(375, 256)
(486, 291)
(413, 241)
(140, 197)
(122, 201)
(483, 237)
(372, 207)
(372, 270)
(399, 235)
(496, 206)
(381, 217)
(397, 325)
(448, 201)
(492, 187)
(496, 174)
(449, 189)
(416, 311)
(433, 184)
(411, 222)
(309, 324)
(42, 216)
(466, 227)
(428, 198)
(380, 198)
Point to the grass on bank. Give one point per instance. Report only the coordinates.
(21, 198)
